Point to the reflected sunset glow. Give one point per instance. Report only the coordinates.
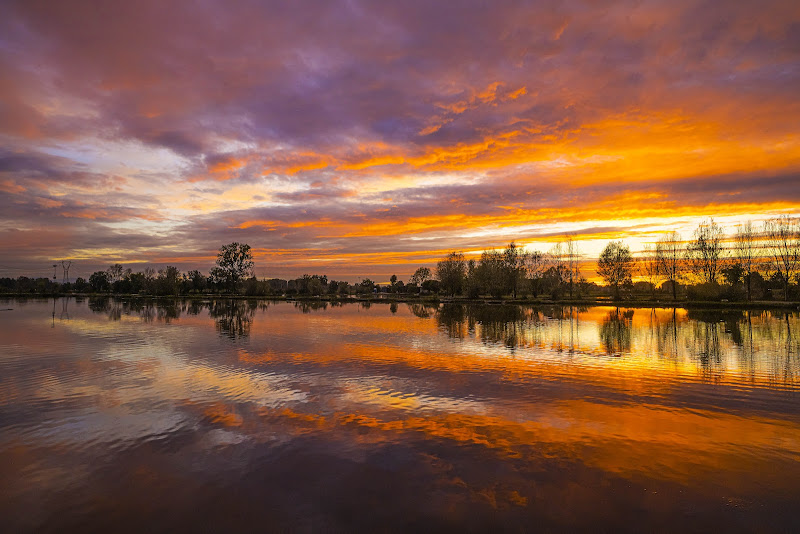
(461, 413)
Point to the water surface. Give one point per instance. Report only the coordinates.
(256, 416)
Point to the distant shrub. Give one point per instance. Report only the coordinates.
(705, 291)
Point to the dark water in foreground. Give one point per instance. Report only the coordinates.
(225, 416)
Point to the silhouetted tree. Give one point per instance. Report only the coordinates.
(136, 282)
(669, 257)
(168, 280)
(705, 252)
(615, 265)
(747, 253)
(338, 288)
(491, 273)
(432, 286)
(649, 268)
(197, 282)
(557, 273)
(234, 263)
(472, 284)
(535, 266)
(452, 272)
(514, 259)
(733, 273)
(571, 258)
(783, 246)
(316, 285)
(419, 276)
(115, 273)
(149, 279)
(366, 287)
(99, 281)
(81, 284)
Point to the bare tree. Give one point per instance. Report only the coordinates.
(783, 246)
(115, 273)
(558, 264)
(669, 258)
(649, 268)
(746, 251)
(705, 252)
(535, 266)
(571, 260)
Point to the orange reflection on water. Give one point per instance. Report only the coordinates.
(633, 441)
(543, 411)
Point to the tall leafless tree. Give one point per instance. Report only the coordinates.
(706, 252)
(535, 266)
(572, 262)
(556, 260)
(782, 236)
(649, 268)
(669, 258)
(747, 252)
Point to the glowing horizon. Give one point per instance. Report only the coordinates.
(367, 139)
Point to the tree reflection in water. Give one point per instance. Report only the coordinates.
(519, 408)
(705, 338)
(423, 311)
(500, 324)
(615, 332)
(308, 306)
(760, 344)
(666, 335)
(147, 309)
(792, 344)
(233, 318)
(452, 319)
(511, 326)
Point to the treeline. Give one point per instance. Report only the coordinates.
(232, 275)
(233, 265)
(116, 279)
(172, 282)
(752, 264)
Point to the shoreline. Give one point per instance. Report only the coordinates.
(431, 299)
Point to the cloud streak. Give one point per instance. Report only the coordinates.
(367, 136)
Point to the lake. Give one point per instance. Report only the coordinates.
(223, 415)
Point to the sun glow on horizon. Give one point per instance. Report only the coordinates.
(368, 150)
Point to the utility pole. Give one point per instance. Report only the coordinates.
(54, 270)
(65, 266)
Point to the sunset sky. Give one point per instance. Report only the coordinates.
(361, 139)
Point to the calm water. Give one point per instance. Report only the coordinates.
(256, 416)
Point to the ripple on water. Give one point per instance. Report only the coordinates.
(514, 417)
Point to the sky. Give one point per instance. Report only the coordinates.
(362, 139)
